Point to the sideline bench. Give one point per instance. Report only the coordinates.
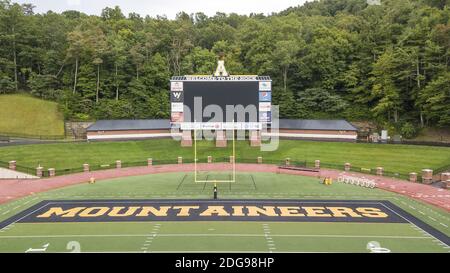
(4, 139)
(298, 168)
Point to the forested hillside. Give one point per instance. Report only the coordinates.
(332, 58)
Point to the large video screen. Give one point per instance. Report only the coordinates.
(223, 93)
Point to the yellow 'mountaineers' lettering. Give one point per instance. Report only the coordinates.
(343, 212)
(58, 211)
(290, 211)
(94, 212)
(266, 210)
(372, 212)
(185, 210)
(115, 212)
(146, 211)
(238, 211)
(316, 212)
(219, 210)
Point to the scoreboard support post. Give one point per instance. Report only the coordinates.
(255, 138)
(186, 139)
(221, 139)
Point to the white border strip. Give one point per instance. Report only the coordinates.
(294, 135)
(130, 136)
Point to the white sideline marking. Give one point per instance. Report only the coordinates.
(412, 223)
(213, 251)
(215, 235)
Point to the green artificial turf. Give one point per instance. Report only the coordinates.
(221, 236)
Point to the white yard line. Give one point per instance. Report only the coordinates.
(150, 237)
(268, 236)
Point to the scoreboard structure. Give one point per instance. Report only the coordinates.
(221, 103)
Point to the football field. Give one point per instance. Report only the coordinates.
(412, 226)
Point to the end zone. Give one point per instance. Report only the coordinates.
(373, 211)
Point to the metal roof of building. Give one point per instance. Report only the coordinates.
(312, 124)
(131, 124)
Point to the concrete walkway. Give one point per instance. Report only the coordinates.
(10, 174)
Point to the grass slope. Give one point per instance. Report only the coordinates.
(395, 158)
(25, 115)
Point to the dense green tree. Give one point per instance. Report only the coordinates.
(76, 44)
(12, 24)
(114, 14)
(230, 52)
(319, 103)
(385, 89)
(43, 86)
(327, 58)
(118, 46)
(199, 61)
(435, 98)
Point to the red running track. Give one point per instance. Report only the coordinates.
(14, 189)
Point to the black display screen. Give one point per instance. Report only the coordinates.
(223, 93)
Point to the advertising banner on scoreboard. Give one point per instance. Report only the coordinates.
(265, 116)
(176, 96)
(265, 86)
(177, 107)
(177, 117)
(176, 86)
(265, 96)
(265, 106)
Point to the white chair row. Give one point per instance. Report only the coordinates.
(357, 181)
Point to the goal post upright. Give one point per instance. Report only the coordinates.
(233, 180)
(195, 151)
(234, 154)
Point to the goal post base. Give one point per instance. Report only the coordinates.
(220, 139)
